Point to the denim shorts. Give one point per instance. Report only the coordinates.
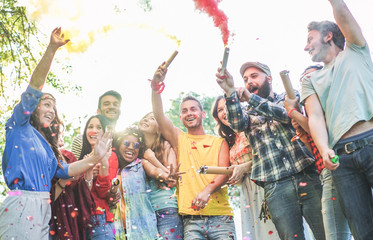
(169, 224)
(101, 230)
(209, 227)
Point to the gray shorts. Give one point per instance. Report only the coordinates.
(25, 215)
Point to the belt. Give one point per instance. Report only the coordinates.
(351, 147)
(197, 216)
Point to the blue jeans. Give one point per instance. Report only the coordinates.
(169, 224)
(293, 197)
(209, 227)
(354, 181)
(335, 223)
(101, 229)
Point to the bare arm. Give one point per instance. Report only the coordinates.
(200, 201)
(104, 167)
(150, 156)
(167, 128)
(316, 121)
(42, 69)
(239, 171)
(347, 23)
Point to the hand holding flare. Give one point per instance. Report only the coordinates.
(157, 83)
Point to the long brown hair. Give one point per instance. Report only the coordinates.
(158, 144)
(223, 130)
(52, 132)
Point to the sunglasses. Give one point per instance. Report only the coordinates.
(135, 145)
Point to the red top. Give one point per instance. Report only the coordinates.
(72, 210)
(319, 163)
(101, 186)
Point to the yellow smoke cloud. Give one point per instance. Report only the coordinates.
(82, 21)
(161, 31)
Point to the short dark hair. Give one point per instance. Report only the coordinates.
(324, 27)
(188, 98)
(110, 93)
(317, 67)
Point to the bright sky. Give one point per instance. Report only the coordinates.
(125, 55)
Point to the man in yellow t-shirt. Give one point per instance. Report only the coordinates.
(201, 200)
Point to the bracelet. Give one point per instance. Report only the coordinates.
(159, 87)
(59, 184)
(289, 114)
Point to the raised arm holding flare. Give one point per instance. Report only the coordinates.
(268, 128)
(31, 157)
(198, 195)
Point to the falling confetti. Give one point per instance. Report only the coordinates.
(302, 184)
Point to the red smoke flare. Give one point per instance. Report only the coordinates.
(219, 17)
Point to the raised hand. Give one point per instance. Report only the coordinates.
(174, 175)
(243, 94)
(57, 38)
(225, 81)
(160, 74)
(103, 145)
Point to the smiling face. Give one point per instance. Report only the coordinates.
(221, 112)
(316, 46)
(257, 82)
(191, 114)
(129, 148)
(94, 130)
(148, 124)
(46, 110)
(109, 107)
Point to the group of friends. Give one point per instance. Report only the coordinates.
(299, 160)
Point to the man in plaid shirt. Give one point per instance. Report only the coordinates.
(283, 168)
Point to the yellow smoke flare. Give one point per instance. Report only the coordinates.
(81, 45)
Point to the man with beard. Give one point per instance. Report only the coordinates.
(285, 169)
(339, 103)
(201, 200)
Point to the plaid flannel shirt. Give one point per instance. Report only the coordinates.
(269, 130)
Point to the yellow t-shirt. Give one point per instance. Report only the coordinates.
(193, 152)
